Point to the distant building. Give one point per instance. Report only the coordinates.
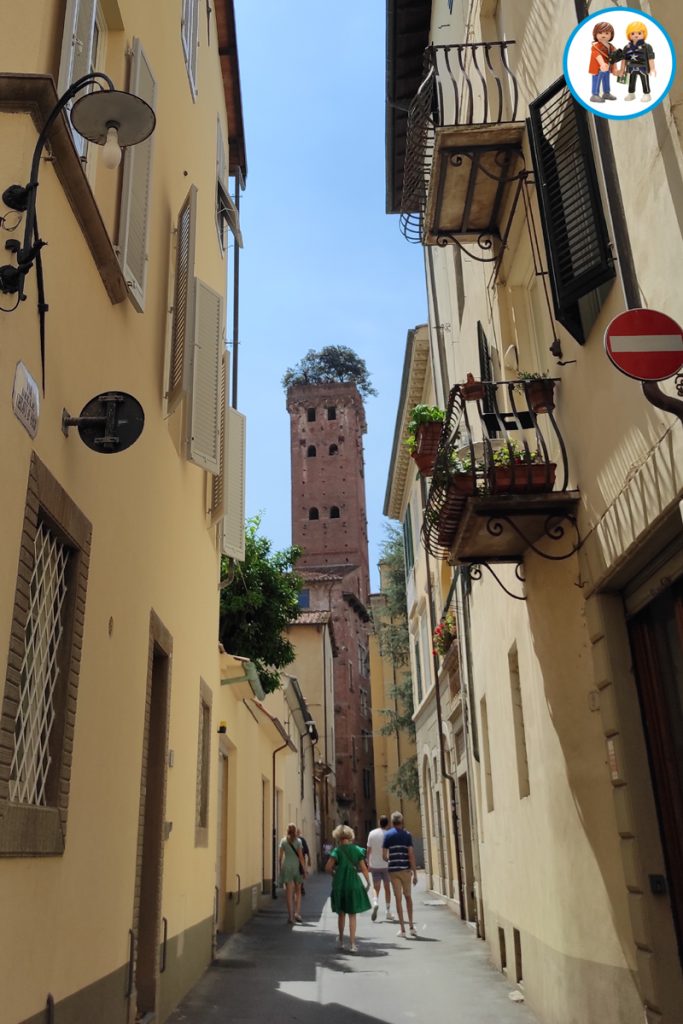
(329, 524)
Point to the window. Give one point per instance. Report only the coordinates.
(311, 453)
(43, 663)
(333, 449)
(363, 663)
(486, 372)
(310, 415)
(354, 763)
(486, 767)
(304, 599)
(418, 672)
(363, 701)
(366, 743)
(189, 32)
(518, 723)
(223, 201)
(408, 541)
(203, 759)
(366, 783)
(572, 217)
(82, 52)
(334, 512)
(182, 320)
(331, 412)
(313, 513)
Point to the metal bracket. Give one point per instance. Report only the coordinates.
(658, 398)
(476, 574)
(553, 530)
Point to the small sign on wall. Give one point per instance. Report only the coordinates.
(26, 400)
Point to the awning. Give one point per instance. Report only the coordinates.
(276, 729)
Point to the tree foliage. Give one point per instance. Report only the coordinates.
(406, 781)
(392, 632)
(400, 716)
(333, 364)
(258, 603)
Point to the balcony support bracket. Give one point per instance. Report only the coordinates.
(555, 529)
(475, 572)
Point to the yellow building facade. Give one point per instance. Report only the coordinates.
(110, 559)
(566, 592)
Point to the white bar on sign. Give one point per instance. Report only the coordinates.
(646, 343)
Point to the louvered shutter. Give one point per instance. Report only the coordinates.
(204, 412)
(135, 189)
(77, 42)
(232, 527)
(182, 322)
(218, 481)
(573, 221)
(189, 34)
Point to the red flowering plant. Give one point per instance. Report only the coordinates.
(444, 634)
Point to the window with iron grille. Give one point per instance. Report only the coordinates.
(38, 710)
(203, 756)
(574, 227)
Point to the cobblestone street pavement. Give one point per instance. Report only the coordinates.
(271, 972)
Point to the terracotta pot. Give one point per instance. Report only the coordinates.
(472, 390)
(540, 395)
(427, 439)
(537, 477)
(461, 484)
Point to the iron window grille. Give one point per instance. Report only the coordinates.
(32, 758)
(572, 217)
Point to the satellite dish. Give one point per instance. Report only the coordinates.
(108, 423)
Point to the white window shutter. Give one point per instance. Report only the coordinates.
(182, 320)
(204, 410)
(218, 482)
(189, 31)
(77, 41)
(232, 530)
(221, 159)
(135, 189)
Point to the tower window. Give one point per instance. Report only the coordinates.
(311, 453)
(334, 512)
(310, 415)
(313, 513)
(331, 412)
(333, 449)
(304, 598)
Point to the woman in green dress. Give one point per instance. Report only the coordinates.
(292, 872)
(348, 895)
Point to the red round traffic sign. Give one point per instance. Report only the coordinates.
(645, 344)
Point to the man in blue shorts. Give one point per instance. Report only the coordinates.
(399, 853)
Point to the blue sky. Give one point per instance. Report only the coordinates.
(322, 262)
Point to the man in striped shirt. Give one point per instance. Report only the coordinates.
(399, 853)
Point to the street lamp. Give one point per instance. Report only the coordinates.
(107, 117)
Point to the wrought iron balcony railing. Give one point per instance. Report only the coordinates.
(464, 84)
(492, 498)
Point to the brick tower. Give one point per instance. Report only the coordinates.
(327, 423)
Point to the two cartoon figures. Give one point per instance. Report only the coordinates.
(637, 60)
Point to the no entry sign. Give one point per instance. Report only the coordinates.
(645, 344)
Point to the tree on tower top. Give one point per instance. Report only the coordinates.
(333, 364)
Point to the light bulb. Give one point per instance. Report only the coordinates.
(111, 151)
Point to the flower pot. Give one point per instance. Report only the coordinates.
(427, 445)
(461, 485)
(540, 394)
(535, 477)
(472, 390)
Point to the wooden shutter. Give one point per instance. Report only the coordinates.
(572, 217)
(189, 33)
(232, 529)
(204, 411)
(77, 41)
(182, 322)
(218, 482)
(135, 189)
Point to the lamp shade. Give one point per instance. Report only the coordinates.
(95, 112)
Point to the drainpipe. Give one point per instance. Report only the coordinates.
(439, 718)
(239, 183)
(274, 882)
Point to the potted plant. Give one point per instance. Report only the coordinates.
(462, 480)
(517, 470)
(444, 634)
(423, 433)
(473, 390)
(539, 389)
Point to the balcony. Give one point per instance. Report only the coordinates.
(464, 147)
(499, 486)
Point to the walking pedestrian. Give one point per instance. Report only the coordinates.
(379, 868)
(348, 895)
(292, 871)
(399, 854)
(307, 858)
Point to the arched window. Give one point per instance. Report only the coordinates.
(311, 415)
(311, 453)
(333, 449)
(313, 513)
(334, 512)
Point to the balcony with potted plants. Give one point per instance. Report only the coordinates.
(422, 436)
(500, 480)
(463, 147)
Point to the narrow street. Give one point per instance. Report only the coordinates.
(270, 972)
